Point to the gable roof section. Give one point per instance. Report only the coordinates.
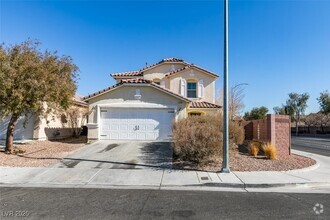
(135, 81)
(140, 72)
(78, 100)
(166, 60)
(197, 105)
(190, 66)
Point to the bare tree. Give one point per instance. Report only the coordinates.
(310, 120)
(236, 100)
(76, 117)
(323, 120)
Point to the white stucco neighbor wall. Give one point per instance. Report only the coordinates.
(20, 132)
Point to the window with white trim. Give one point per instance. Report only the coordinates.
(191, 89)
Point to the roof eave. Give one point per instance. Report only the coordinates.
(137, 84)
(215, 108)
(194, 67)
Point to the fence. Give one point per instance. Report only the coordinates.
(274, 129)
(60, 133)
(312, 131)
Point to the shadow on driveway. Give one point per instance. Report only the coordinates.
(121, 155)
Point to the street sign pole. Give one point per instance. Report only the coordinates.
(225, 161)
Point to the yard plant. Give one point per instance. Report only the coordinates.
(30, 80)
(269, 151)
(254, 148)
(196, 139)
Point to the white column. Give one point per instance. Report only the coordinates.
(98, 120)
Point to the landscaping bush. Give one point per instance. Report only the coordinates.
(197, 139)
(269, 151)
(254, 148)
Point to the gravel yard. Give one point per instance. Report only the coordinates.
(240, 160)
(41, 153)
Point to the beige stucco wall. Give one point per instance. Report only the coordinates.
(125, 94)
(35, 128)
(159, 71)
(209, 83)
(48, 125)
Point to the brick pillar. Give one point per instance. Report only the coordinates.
(271, 138)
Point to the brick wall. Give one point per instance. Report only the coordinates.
(274, 129)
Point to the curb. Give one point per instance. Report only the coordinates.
(306, 169)
(164, 187)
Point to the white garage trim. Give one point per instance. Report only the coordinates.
(129, 106)
(136, 105)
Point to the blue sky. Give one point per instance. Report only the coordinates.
(276, 47)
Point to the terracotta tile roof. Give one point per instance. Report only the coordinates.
(136, 81)
(166, 60)
(140, 72)
(203, 105)
(177, 70)
(188, 67)
(78, 100)
(172, 59)
(129, 73)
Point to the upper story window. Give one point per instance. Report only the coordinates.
(157, 81)
(191, 89)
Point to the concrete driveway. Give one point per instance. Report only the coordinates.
(121, 155)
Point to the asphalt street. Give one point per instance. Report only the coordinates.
(62, 203)
(313, 145)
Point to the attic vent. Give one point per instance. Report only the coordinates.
(172, 67)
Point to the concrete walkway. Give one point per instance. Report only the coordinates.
(317, 175)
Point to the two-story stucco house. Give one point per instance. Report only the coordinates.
(144, 103)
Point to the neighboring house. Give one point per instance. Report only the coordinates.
(144, 103)
(55, 126)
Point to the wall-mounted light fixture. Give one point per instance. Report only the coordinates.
(137, 94)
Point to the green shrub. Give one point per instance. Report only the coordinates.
(196, 139)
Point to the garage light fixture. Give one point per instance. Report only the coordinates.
(137, 94)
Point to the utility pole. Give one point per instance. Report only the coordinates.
(225, 162)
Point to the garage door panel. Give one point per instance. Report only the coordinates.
(136, 124)
(131, 136)
(141, 135)
(114, 127)
(123, 135)
(114, 135)
(150, 127)
(123, 127)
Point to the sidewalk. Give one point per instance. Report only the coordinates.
(318, 174)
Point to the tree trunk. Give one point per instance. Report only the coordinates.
(10, 134)
(296, 127)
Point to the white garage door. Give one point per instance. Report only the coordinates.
(136, 124)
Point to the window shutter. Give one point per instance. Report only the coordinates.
(183, 87)
(200, 88)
